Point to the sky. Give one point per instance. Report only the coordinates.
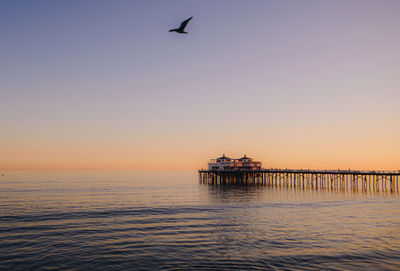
(104, 85)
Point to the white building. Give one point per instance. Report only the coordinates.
(226, 163)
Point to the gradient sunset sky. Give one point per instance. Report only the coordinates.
(294, 84)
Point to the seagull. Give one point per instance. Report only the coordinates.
(181, 28)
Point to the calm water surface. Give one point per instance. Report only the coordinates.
(166, 220)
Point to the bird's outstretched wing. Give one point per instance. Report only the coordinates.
(184, 23)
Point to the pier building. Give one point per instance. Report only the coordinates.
(226, 163)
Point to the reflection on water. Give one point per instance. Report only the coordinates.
(166, 220)
(235, 194)
(245, 191)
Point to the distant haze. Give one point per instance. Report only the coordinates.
(294, 84)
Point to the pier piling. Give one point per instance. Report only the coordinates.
(332, 180)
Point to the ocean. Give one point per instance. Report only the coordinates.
(130, 220)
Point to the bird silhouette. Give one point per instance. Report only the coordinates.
(181, 29)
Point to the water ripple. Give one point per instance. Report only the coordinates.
(188, 227)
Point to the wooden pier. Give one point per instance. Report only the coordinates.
(386, 181)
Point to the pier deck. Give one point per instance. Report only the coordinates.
(320, 179)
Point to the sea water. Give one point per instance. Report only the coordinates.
(108, 220)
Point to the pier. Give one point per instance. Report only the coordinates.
(386, 181)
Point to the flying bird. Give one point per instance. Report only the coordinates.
(181, 29)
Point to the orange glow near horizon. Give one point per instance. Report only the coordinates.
(321, 151)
